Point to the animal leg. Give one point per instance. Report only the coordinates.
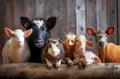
(75, 61)
(57, 65)
(49, 64)
(69, 61)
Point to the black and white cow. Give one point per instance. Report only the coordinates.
(41, 33)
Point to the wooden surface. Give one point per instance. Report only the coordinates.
(34, 70)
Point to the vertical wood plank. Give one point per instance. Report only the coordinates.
(112, 18)
(101, 14)
(40, 8)
(91, 20)
(80, 17)
(70, 14)
(118, 31)
(57, 8)
(18, 12)
(29, 8)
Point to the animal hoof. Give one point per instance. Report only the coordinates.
(70, 63)
(75, 62)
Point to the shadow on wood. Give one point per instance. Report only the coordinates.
(36, 70)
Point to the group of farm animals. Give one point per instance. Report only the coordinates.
(41, 48)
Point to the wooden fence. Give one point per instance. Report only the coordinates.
(72, 16)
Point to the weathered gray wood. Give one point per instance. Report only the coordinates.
(112, 18)
(35, 70)
(91, 20)
(57, 8)
(80, 17)
(118, 16)
(40, 8)
(101, 14)
(29, 8)
(70, 15)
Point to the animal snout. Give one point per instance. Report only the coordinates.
(19, 43)
(101, 43)
(39, 41)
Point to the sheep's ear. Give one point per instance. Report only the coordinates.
(28, 32)
(91, 31)
(9, 32)
(110, 30)
(51, 22)
(25, 22)
(89, 44)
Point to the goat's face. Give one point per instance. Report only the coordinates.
(100, 36)
(17, 36)
(40, 28)
(54, 48)
(81, 42)
(71, 38)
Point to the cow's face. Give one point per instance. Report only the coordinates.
(40, 28)
(100, 36)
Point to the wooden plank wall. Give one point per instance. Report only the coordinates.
(72, 16)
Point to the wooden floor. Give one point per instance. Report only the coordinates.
(35, 70)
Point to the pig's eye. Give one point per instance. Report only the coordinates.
(92, 58)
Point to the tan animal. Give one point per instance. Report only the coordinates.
(108, 52)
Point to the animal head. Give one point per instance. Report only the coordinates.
(100, 36)
(91, 58)
(18, 36)
(53, 48)
(40, 28)
(71, 38)
(81, 42)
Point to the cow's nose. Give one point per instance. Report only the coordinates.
(39, 41)
(101, 43)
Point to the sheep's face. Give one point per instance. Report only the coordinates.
(54, 49)
(17, 36)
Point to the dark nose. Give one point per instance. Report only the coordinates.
(39, 41)
(101, 43)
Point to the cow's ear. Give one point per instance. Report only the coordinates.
(51, 22)
(25, 22)
(110, 30)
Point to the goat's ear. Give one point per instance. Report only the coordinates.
(51, 22)
(28, 32)
(90, 31)
(110, 30)
(25, 22)
(89, 44)
(9, 32)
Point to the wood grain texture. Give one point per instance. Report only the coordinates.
(36, 70)
(80, 17)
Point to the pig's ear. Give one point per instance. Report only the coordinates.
(9, 32)
(28, 32)
(25, 22)
(89, 44)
